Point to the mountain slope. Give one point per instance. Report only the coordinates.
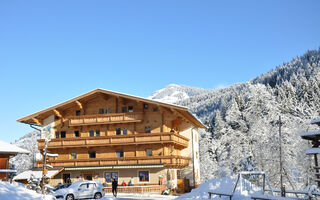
(174, 93)
(243, 121)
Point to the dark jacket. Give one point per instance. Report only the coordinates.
(114, 184)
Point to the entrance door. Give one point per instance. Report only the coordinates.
(66, 178)
(87, 177)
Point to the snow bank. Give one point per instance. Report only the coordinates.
(223, 185)
(17, 191)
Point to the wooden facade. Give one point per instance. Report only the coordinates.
(107, 129)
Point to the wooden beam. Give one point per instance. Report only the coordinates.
(35, 120)
(57, 113)
(79, 104)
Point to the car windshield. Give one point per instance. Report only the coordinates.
(62, 186)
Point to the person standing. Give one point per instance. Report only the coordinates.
(114, 187)
(131, 181)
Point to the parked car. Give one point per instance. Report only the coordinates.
(81, 190)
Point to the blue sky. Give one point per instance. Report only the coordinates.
(51, 51)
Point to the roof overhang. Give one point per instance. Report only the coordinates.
(31, 119)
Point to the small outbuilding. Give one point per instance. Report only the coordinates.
(6, 151)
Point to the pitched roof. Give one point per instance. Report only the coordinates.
(36, 173)
(181, 109)
(6, 148)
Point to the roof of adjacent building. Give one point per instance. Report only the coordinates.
(6, 148)
(48, 111)
(36, 174)
(311, 135)
(315, 121)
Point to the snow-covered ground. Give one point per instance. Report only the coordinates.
(223, 185)
(138, 196)
(16, 191)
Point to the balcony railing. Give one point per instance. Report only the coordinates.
(175, 139)
(168, 161)
(112, 118)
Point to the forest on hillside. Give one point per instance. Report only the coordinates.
(243, 122)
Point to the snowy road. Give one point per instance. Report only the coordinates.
(137, 196)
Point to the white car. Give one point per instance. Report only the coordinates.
(81, 190)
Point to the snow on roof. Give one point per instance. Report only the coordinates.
(313, 151)
(11, 149)
(315, 121)
(37, 174)
(310, 133)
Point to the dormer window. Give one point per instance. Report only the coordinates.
(107, 110)
(101, 111)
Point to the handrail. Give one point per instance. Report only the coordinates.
(120, 159)
(117, 136)
(104, 115)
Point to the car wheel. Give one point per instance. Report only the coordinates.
(98, 196)
(70, 197)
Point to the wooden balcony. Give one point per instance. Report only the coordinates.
(167, 161)
(175, 139)
(112, 118)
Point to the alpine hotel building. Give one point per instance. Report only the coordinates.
(104, 134)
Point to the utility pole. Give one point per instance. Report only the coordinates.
(283, 192)
(44, 166)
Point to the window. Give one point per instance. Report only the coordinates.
(147, 129)
(91, 133)
(57, 134)
(56, 117)
(97, 132)
(76, 133)
(130, 108)
(107, 110)
(101, 111)
(73, 155)
(92, 154)
(124, 109)
(63, 134)
(119, 154)
(148, 152)
(111, 175)
(118, 131)
(78, 112)
(155, 109)
(83, 186)
(124, 131)
(143, 176)
(145, 106)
